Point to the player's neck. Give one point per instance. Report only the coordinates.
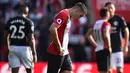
(105, 19)
(24, 15)
(18, 14)
(112, 15)
(70, 12)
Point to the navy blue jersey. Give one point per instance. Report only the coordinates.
(18, 28)
(118, 24)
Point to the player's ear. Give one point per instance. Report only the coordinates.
(78, 10)
(75, 9)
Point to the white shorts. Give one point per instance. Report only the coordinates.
(117, 60)
(20, 54)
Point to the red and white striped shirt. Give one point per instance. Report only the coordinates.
(98, 28)
(62, 19)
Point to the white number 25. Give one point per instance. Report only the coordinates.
(20, 31)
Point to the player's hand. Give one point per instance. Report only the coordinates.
(82, 40)
(125, 50)
(34, 58)
(61, 51)
(8, 48)
(110, 50)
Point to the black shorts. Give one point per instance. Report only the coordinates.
(103, 60)
(56, 63)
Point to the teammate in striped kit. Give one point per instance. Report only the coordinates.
(99, 36)
(58, 55)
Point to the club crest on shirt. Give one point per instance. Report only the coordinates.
(115, 23)
(59, 21)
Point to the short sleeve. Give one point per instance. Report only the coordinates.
(123, 23)
(60, 18)
(30, 28)
(107, 26)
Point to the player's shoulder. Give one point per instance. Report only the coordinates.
(119, 16)
(106, 25)
(98, 21)
(26, 19)
(101, 22)
(63, 12)
(29, 21)
(106, 22)
(9, 20)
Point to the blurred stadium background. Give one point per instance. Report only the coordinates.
(42, 13)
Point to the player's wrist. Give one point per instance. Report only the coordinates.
(109, 46)
(59, 47)
(34, 53)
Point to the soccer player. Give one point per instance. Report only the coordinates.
(19, 34)
(118, 24)
(58, 56)
(99, 36)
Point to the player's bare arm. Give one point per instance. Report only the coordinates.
(31, 40)
(106, 35)
(7, 42)
(126, 30)
(90, 37)
(53, 30)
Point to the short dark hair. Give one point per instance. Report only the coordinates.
(107, 3)
(103, 11)
(21, 8)
(81, 6)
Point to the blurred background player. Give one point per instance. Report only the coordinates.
(99, 36)
(20, 40)
(58, 56)
(118, 24)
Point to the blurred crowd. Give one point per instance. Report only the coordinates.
(42, 13)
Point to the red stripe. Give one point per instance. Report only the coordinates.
(53, 48)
